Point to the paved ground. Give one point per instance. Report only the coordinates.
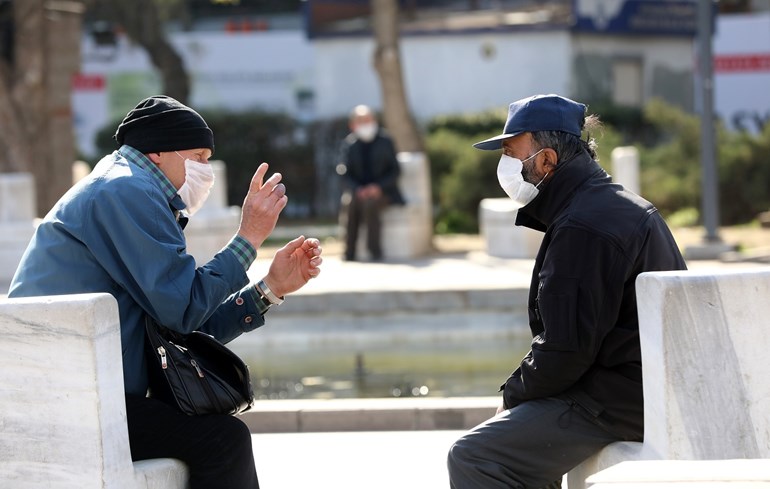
(460, 262)
(372, 460)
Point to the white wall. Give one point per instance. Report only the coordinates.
(445, 74)
(234, 71)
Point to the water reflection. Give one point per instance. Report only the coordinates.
(441, 368)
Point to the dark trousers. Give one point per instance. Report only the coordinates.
(358, 212)
(530, 446)
(216, 448)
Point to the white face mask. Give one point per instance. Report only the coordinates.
(512, 181)
(366, 132)
(198, 180)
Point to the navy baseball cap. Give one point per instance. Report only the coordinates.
(539, 113)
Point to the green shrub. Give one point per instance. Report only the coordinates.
(461, 176)
(671, 170)
(488, 122)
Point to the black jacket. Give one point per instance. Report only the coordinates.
(373, 162)
(582, 300)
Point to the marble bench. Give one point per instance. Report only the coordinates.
(700, 474)
(62, 407)
(406, 229)
(502, 237)
(705, 343)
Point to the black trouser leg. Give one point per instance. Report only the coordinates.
(373, 215)
(216, 448)
(527, 447)
(353, 215)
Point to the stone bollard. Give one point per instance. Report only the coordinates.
(625, 167)
(17, 225)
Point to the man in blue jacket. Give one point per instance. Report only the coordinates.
(580, 386)
(120, 231)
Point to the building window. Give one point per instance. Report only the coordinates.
(627, 82)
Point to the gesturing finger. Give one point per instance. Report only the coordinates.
(256, 180)
(272, 182)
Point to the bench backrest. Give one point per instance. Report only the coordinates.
(705, 346)
(62, 407)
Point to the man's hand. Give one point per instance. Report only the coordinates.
(293, 265)
(262, 206)
(371, 191)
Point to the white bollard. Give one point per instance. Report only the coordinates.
(625, 167)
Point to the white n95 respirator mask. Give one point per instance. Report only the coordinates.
(512, 181)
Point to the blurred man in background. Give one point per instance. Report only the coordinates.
(370, 171)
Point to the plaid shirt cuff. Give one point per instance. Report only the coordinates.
(243, 251)
(263, 304)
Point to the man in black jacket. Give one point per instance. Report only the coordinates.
(370, 169)
(580, 386)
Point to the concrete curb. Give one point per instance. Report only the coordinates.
(304, 416)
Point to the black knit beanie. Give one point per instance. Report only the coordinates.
(160, 123)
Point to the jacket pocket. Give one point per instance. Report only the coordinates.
(557, 305)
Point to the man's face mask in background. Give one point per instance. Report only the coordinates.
(199, 178)
(366, 131)
(512, 181)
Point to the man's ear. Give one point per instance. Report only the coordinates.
(550, 158)
(154, 157)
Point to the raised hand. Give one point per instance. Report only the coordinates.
(262, 206)
(294, 265)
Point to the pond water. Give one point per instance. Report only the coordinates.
(448, 367)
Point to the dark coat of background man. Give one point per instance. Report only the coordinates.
(580, 386)
(370, 171)
(119, 231)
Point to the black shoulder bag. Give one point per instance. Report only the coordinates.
(195, 372)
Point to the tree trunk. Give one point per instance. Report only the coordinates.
(35, 90)
(143, 25)
(387, 61)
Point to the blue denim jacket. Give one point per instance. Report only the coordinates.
(116, 231)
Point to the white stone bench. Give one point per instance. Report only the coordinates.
(502, 237)
(406, 229)
(17, 224)
(705, 343)
(700, 474)
(62, 403)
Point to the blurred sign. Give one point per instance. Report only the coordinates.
(742, 71)
(671, 17)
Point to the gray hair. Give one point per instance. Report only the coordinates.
(566, 145)
(361, 111)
